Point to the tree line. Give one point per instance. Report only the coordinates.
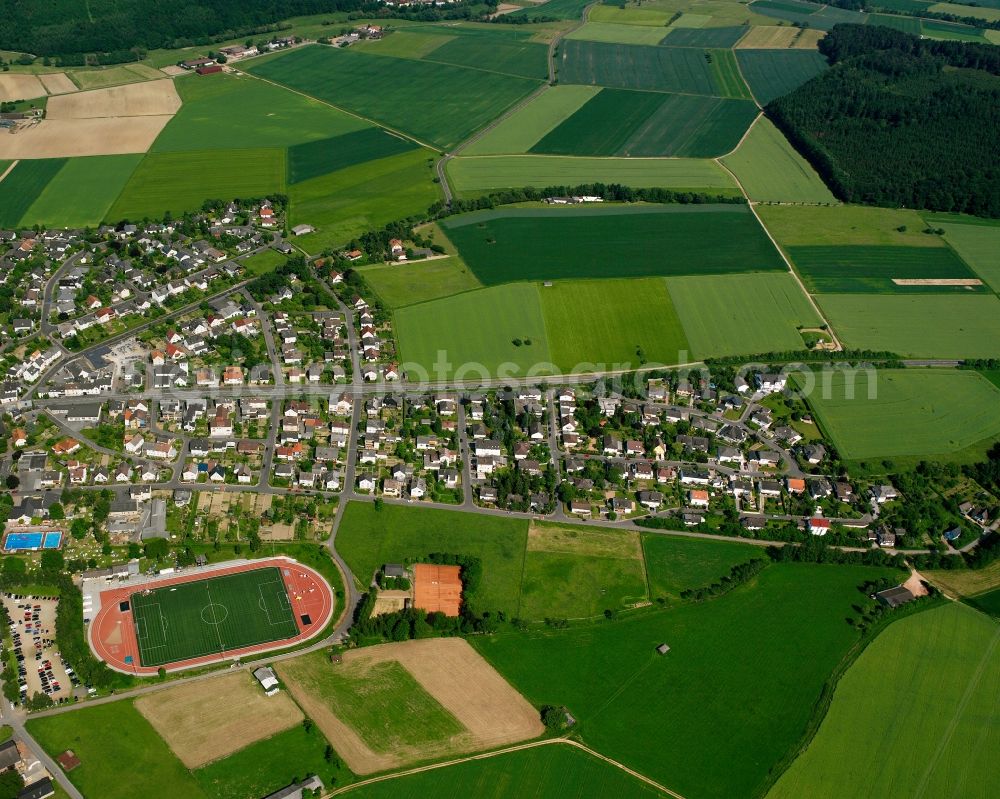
(900, 121)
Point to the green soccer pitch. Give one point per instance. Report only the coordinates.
(207, 617)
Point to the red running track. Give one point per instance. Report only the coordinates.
(112, 631)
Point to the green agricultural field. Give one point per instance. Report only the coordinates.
(735, 664)
(741, 314)
(917, 326)
(979, 245)
(507, 51)
(618, 34)
(609, 325)
(80, 194)
(774, 73)
(909, 25)
(113, 76)
(226, 112)
(476, 176)
(922, 733)
(518, 132)
(674, 564)
(770, 169)
(312, 159)
(554, 9)
(419, 281)
(210, 616)
(346, 203)
(369, 538)
(381, 702)
(868, 269)
(726, 73)
(23, 185)
(626, 66)
(950, 31)
(703, 37)
(407, 43)
(154, 770)
(621, 122)
(611, 241)
(926, 413)
(846, 224)
(988, 603)
(557, 770)
(472, 335)
(571, 573)
(269, 765)
(436, 103)
(182, 181)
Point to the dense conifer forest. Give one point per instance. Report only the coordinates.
(901, 121)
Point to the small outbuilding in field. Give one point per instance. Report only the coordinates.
(267, 679)
(663, 649)
(894, 597)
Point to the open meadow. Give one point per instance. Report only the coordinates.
(674, 564)
(770, 169)
(741, 314)
(572, 573)
(475, 333)
(419, 281)
(925, 413)
(979, 246)
(472, 177)
(794, 225)
(453, 101)
(735, 664)
(550, 771)
(917, 326)
(512, 244)
(923, 733)
(182, 181)
(610, 325)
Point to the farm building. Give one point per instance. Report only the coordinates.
(894, 597)
(38, 790)
(267, 679)
(297, 790)
(209, 69)
(437, 588)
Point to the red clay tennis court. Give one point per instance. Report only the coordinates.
(437, 588)
(120, 632)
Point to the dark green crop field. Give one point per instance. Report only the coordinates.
(23, 186)
(210, 616)
(622, 122)
(558, 243)
(773, 73)
(554, 9)
(634, 66)
(510, 52)
(872, 269)
(321, 157)
(703, 37)
(437, 103)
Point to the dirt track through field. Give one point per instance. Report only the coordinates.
(451, 671)
(207, 720)
(153, 98)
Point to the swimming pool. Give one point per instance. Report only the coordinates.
(19, 542)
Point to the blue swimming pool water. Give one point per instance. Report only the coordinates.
(21, 541)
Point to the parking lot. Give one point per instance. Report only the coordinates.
(40, 669)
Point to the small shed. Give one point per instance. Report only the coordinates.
(267, 679)
(663, 649)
